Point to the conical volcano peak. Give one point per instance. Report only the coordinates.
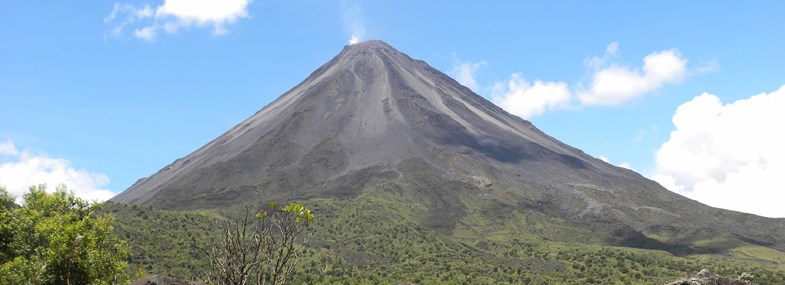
(370, 106)
(370, 45)
(369, 49)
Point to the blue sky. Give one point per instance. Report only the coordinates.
(100, 94)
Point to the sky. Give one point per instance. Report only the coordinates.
(98, 94)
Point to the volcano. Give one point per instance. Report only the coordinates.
(374, 119)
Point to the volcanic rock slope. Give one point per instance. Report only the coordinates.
(374, 117)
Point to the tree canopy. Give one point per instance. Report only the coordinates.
(57, 238)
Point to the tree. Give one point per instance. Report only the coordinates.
(260, 249)
(7, 206)
(57, 238)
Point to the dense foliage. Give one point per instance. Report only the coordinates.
(376, 238)
(57, 238)
(173, 243)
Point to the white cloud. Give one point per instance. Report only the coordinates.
(146, 33)
(353, 21)
(707, 67)
(204, 11)
(610, 83)
(464, 73)
(614, 84)
(612, 48)
(526, 100)
(727, 155)
(611, 53)
(173, 15)
(20, 170)
(131, 15)
(132, 11)
(7, 148)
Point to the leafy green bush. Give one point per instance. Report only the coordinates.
(57, 238)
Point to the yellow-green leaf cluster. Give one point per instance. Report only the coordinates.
(300, 212)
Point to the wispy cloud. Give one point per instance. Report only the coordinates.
(21, 169)
(464, 72)
(707, 67)
(353, 21)
(8, 148)
(727, 155)
(171, 16)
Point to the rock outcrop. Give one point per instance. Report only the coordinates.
(705, 277)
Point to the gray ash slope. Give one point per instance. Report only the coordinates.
(373, 115)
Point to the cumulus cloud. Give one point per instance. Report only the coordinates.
(173, 15)
(526, 100)
(727, 155)
(610, 83)
(353, 21)
(21, 169)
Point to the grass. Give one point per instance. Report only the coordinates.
(759, 253)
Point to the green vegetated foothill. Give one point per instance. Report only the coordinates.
(379, 238)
